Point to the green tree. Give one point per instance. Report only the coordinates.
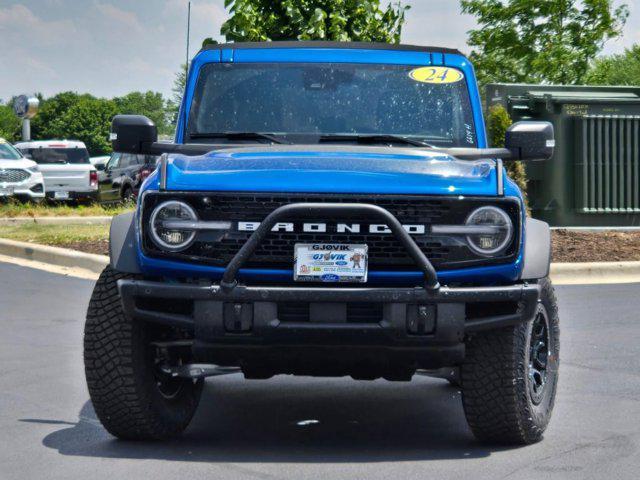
(540, 41)
(150, 104)
(179, 84)
(498, 121)
(173, 104)
(209, 41)
(340, 20)
(10, 125)
(89, 120)
(73, 116)
(51, 109)
(620, 69)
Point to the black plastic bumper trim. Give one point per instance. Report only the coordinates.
(526, 295)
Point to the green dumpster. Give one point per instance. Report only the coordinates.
(594, 178)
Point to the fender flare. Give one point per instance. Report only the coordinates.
(122, 244)
(537, 250)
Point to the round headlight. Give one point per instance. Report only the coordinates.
(165, 225)
(494, 231)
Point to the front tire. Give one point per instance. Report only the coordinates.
(127, 195)
(509, 376)
(129, 396)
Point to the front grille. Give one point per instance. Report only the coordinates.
(384, 249)
(385, 252)
(277, 248)
(13, 175)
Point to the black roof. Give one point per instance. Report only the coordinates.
(324, 44)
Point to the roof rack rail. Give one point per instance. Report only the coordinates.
(328, 44)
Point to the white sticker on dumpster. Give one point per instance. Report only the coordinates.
(329, 262)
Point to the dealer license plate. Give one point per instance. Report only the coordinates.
(6, 191)
(61, 195)
(329, 262)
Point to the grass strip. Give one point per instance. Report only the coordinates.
(16, 209)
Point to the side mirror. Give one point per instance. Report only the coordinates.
(132, 134)
(530, 140)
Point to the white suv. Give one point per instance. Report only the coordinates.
(18, 176)
(68, 173)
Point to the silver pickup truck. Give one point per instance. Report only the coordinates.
(68, 173)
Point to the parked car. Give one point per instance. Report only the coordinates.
(19, 176)
(65, 166)
(99, 162)
(122, 176)
(328, 209)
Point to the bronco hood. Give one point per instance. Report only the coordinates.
(332, 169)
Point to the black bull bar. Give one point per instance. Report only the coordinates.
(207, 315)
(342, 210)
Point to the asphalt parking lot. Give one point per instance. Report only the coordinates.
(307, 428)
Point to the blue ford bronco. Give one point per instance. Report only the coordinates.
(326, 209)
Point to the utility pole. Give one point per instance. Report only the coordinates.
(186, 63)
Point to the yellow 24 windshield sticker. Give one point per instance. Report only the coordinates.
(438, 75)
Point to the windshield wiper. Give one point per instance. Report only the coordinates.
(374, 138)
(240, 136)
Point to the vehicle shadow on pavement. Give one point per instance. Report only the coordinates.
(298, 420)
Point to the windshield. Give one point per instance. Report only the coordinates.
(8, 152)
(309, 100)
(58, 155)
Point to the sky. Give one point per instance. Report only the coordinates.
(111, 47)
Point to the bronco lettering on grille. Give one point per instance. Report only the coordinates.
(322, 227)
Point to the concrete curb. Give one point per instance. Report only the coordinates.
(595, 273)
(561, 273)
(63, 257)
(56, 220)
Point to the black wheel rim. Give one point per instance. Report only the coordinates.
(539, 353)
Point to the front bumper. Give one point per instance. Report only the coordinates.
(418, 328)
(31, 188)
(307, 330)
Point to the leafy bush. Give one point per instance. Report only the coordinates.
(498, 121)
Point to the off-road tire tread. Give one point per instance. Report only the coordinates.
(115, 372)
(494, 392)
